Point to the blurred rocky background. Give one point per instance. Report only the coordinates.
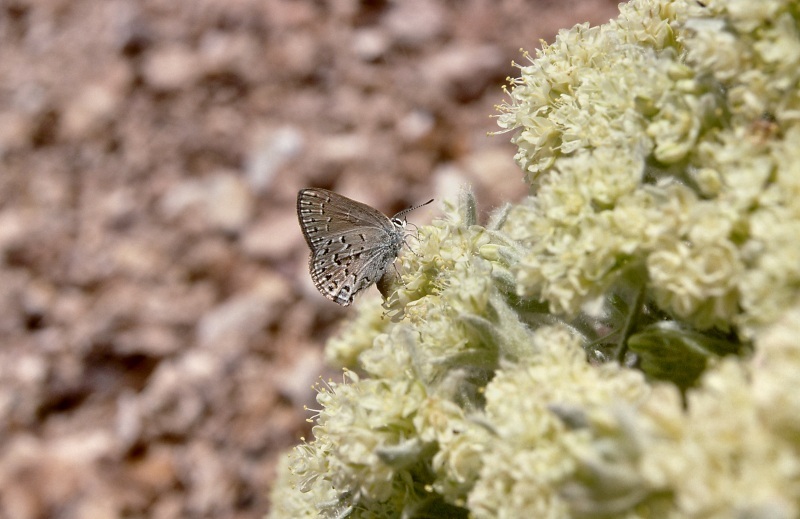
(159, 332)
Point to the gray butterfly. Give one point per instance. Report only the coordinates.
(352, 244)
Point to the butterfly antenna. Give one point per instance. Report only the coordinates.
(404, 211)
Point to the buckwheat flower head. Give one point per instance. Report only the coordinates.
(531, 457)
(364, 447)
(453, 297)
(461, 444)
(729, 450)
(772, 280)
(776, 372)
(448, 274)
(661, 151)
(664, 139)
(398, 437)
(737, 464)
(356, 336)
(287, 501)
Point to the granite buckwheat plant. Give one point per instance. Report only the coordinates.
(623, 343)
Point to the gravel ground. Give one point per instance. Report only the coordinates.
(160, 333)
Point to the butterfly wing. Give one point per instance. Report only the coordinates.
(351, 243)
(324, 214)
(341, 277)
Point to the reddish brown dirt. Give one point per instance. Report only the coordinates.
(159, 331)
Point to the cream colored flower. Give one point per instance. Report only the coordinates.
(662, 152)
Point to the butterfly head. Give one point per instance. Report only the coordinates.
(399, 223)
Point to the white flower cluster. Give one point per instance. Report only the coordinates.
(666, 138)
(731, 451)
(664, 143)
(531, 455)
(456, 396)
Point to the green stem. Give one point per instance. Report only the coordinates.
(634, 311)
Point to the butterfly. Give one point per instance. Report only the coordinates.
(352, 244)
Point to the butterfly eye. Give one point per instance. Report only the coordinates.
(398, 222)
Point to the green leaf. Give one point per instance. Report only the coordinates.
(669, 351)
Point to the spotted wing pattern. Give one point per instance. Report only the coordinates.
(351, 243)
